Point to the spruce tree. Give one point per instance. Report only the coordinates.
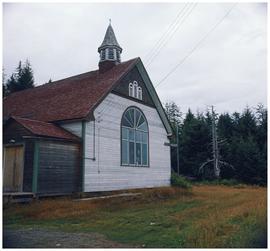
(22, 78)
(4, 85)
(175, 116)
(225, 130)
(194, 143)
(26, 78)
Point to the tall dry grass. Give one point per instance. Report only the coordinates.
(224, 214)
(220, 216)
(70, 208)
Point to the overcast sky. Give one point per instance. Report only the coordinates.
(227, 70)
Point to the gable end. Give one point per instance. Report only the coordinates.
(122, 87)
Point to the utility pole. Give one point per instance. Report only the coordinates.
(177, 148)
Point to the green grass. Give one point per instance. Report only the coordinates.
(209, 216)
(180, 181)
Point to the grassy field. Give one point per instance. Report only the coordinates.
(206, 216)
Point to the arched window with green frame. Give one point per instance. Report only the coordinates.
(134, 138)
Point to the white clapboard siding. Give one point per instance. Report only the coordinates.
(73, 127)
(106, 172)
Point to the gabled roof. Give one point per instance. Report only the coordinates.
(76, 98)
(68, 99)
(41, 128)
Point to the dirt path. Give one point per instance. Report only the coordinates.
(42, 238)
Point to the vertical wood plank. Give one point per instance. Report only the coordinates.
(35, 167)
(13, 169)
(83, 153)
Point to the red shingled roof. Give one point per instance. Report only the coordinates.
(41, 128)
(70, 98)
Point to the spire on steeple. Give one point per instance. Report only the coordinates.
(110, 50)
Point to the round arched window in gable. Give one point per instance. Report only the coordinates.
(134, 138)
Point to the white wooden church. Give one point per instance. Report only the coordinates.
(102, 130)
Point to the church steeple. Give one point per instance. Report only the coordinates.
(109, 50)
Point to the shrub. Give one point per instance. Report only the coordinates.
(179, 181)
(228, 182)
(225, 182)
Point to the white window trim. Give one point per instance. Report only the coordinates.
(135, 90)
(130, 89)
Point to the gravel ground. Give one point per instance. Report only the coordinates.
(42, 238)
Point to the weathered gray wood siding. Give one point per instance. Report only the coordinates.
(14, 131)
(106, 173)
(122, 87)
(58, 168)
(28, 165)
(73, 127)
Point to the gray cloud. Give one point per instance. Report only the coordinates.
(228, 70)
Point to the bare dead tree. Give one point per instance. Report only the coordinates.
(215, 146)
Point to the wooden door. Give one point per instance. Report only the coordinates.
(13, 169)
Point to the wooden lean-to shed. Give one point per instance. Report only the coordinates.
(40, 157)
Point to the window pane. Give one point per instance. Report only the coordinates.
(144, 137)
(137, 116)
(124, 133)
(130, 116)
(138, 136)
(126, 122)
(140, 121)
(143, 126)
(135, 91)
(111, 54)
(144, 154)
(131, 152)
(102, 55)
(130, 90)
(138, 154)
(131, 134)
(124, 152)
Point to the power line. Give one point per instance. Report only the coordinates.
(175, 21)
(183, 60)
(185, 16)
(197, 45)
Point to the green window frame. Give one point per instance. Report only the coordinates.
(134, 138)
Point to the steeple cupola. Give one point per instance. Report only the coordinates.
(109, 50)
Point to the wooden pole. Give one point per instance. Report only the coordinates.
(215, 146)
(177, 154)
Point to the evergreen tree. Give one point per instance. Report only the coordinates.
(194, 144)
(243, 144)
(225, 130)
(22, 78)
(4, 86)
(12, 84)
(25, 77)
(247, 123)
(261, 113)
(173, 112)
(175, 116)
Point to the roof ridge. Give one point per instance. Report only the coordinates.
(22, 121)
(35, 120)
(71, 98)
(63, 79)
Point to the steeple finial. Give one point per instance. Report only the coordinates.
(110, 21)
